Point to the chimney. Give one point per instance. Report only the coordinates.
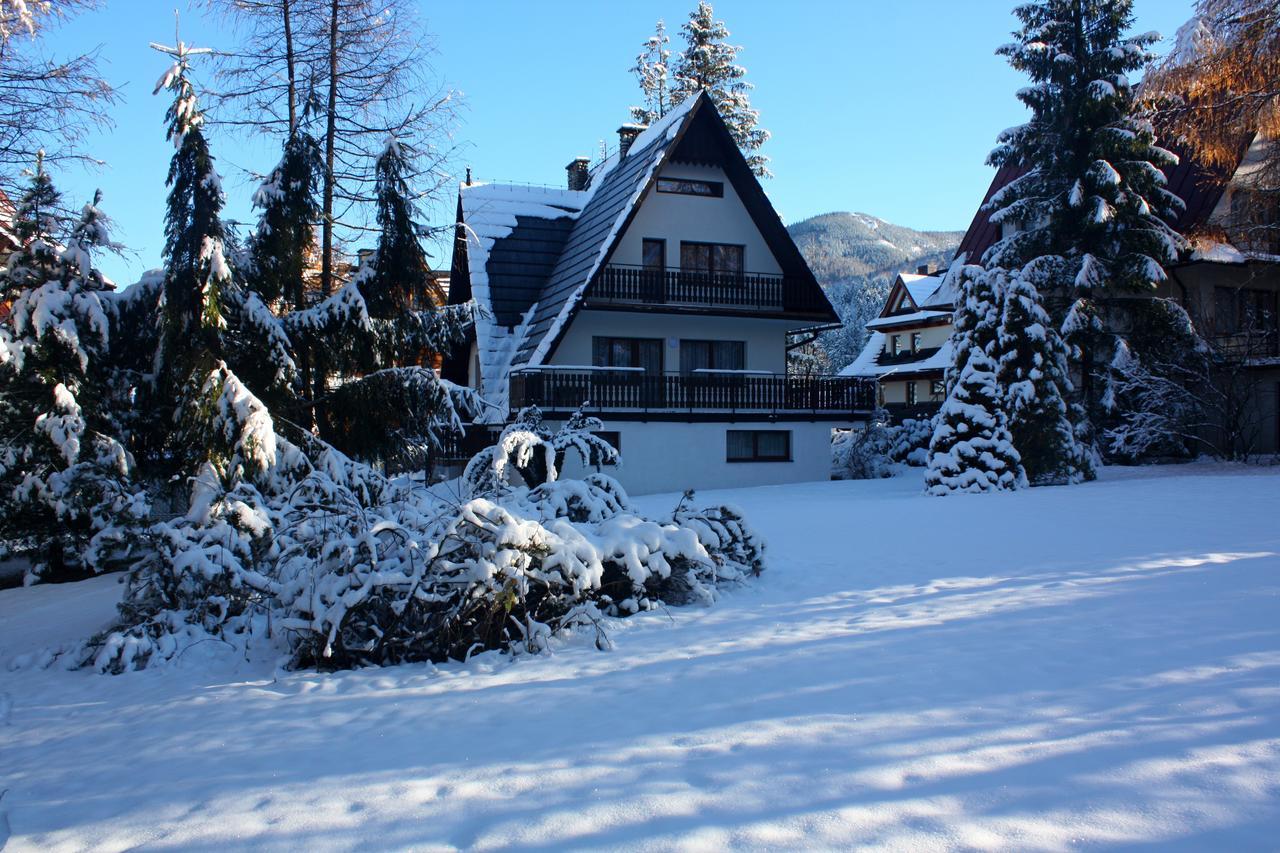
(579, 174)
(923, 270)
(626, 135)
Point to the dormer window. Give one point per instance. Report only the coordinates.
(683, 186)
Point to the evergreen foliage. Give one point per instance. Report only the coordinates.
(68, 503)
(398, 277)
(971, 449)
(708, 63)
(1031, 372)
(1091, 205)
(281, 248)
(652, 70)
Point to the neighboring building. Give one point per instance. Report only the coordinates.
(1229, 283)
(659, 289)
(909, 348)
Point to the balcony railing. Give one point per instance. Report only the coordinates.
(604, 390)
(619, 283)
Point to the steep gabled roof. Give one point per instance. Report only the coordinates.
(693, 132)
(508, 239)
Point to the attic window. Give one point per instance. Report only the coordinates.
(681, 186)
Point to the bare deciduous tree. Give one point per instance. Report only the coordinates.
(46, 103)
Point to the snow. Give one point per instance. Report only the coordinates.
(920, 287)
(906, 319)
(490, 212)
(1046, 691)
(1218, 253)
(865, 364)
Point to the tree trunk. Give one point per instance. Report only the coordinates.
(330, 138)
(289, 67)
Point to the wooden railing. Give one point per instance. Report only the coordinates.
(674, 287)
(606, 390)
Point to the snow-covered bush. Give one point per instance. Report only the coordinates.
(864, 454)
(911, 442)
(344, 569)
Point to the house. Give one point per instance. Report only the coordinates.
(909, 348)
(656, 290)
(1229, 283)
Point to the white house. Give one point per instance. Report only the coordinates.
(909, 348)
(658, 289)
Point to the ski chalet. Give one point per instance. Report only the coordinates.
(1229, 283)
(657, 291)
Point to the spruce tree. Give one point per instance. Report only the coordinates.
(67, 502)
(397, 278)
(1032, 376)
(652, 70)
(196, 269)
(708, 64)
(1091, 204)
(281, 247)
(976, 318)
(971, 449)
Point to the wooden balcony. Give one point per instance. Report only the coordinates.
(708, 394)
(619, 285)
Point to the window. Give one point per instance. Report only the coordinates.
(758, 445)
(683, 186)
(895, 344)
(937, 389)
(915, 341)
(654, 254)
(714, 258)
(612, 436)
(911, 393)
(627, 352)
(712, 355)
(1237, 311)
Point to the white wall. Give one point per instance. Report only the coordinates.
(930, 337)
(765, 339)
(673, 217)
(674, 456)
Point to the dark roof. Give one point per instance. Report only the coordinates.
(1199, 187)
(520, 264)
(620, 187)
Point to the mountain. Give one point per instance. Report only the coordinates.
(855, 258)
(840, 246)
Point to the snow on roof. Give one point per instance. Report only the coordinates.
(906, 319)
(1219, 253)
(866, 363)
(489, 212)
(620, 181)
(919, 287)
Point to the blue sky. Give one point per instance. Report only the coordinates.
(888, 108)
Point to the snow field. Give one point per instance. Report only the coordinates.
(1097, 665)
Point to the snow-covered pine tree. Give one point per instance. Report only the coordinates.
(1032, 375)
(196, 268)
(975, 321)
(397, 277)
(971, 449)
(67, 504)
(282, 244)
(652, 70)
(1091, 204)
(708, 63)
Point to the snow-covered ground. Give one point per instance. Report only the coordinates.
(1087, 666)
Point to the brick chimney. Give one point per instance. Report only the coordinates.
(924, 269)
(626, 135)
(579, 173)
